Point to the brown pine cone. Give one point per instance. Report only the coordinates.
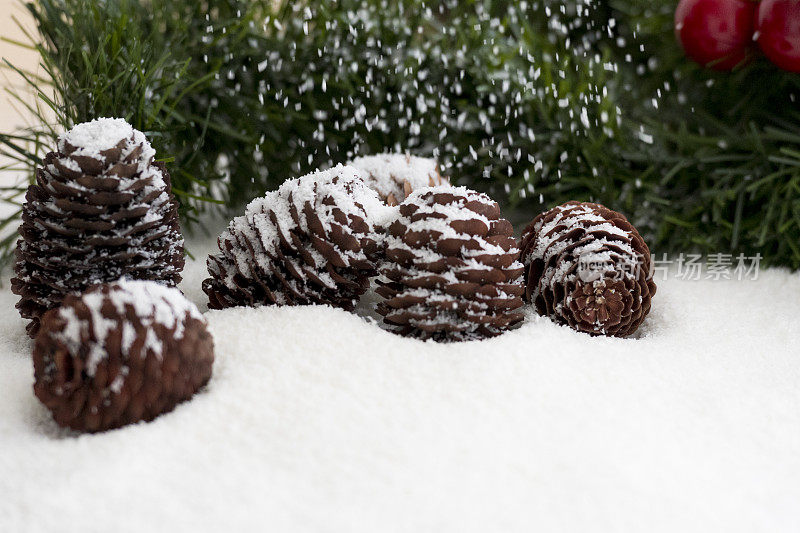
(395, 176)
(100, 209)
(451, 270)
(310, 242)
(586, 266)
(120, 353)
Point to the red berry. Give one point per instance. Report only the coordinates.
(778, 31)
(716, 33)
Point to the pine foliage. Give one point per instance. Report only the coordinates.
(536, 102)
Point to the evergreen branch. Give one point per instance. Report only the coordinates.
(536, 103)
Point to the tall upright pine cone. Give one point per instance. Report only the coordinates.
(586, 266)
(452, 271)
(395, 176)
(310, 242)
(100, 209)
(120, 353)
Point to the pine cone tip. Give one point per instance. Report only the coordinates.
(394, 176)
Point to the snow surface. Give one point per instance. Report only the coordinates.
(318, 420)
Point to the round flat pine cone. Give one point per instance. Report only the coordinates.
(395, 176)
(100, 209)
(587, 267)
(120, 353)
(451, 271)
(310, 242)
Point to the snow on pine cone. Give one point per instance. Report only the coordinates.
(100, 209)
(313, 241)
(586, 266)
(120, 353)
(395, 176)
(451, 269)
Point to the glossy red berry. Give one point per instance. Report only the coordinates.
(778, 32)
(716, 33)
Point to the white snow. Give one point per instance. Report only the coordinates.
(97, 135)
(318, 420)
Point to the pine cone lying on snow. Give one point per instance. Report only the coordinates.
(395, 176)
(120, 353)
(586, 266)
(451, 271)
(310, 242)
(100, 209)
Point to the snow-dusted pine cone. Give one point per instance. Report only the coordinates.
(313, 241)
(586, 266)
(100, 209)
(120, 353)
(452, 269)
(395, 176)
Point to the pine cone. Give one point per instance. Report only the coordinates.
(587, 267)
(310, 242)
(395, 176)
(120, 353)
(100, 209)
(451, 271)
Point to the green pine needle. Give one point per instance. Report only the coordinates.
(535, 102)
